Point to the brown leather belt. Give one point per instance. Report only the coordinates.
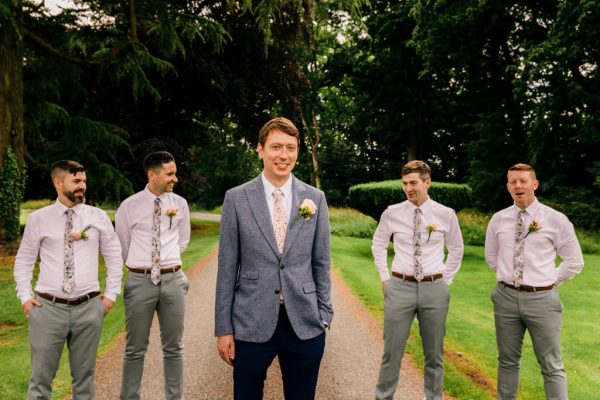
(525, 288)
(72, 302)
(166, 270)
(410, 278)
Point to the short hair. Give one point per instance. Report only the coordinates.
(70, 166)
(416, 166)
(156, 159)
(523, 167)
(282, 124)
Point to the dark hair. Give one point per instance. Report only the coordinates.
(282, 124)
(416, 166)
(156, 159)
(70, 166)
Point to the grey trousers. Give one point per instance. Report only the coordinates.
(541, 314)
(50, 327)
(142, 298)
(402, 301)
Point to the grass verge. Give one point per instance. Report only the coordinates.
(14, 340)
(470, 355)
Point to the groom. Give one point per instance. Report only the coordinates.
(273, 284)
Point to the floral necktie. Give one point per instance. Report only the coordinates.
(279, 219)
(519, 247)
(69, 262)
(155, 271)
(417, 245)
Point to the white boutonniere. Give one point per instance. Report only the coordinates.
(171, 212)
(80, 235)
(534, 226)
(430, 228)
(308, 208)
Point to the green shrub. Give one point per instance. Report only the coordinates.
(581, 205)
(349, 222)
(36, 204)
(373, 198)
(473, 225)
(11, 193)
(582, 215)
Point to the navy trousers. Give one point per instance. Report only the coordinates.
(299, 361)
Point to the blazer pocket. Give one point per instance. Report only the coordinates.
(250, 277)
(309, 287)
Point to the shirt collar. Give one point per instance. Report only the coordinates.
(531, 210)
(286, 188)
(61, 208)
(423, 207)
(151, 196)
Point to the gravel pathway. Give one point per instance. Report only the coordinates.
(348, 371)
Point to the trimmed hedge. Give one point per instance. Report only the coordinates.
(373, 198)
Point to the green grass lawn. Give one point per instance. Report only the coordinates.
(14, 342)
(470, 339)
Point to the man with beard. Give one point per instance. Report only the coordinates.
(154, 229)
(66, 306)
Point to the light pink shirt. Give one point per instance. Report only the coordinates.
(133, 223)
(398, 221)
(555, 237)
(44, 236)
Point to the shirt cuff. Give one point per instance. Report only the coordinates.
(384, 276)
(25, 298)
(111, 296)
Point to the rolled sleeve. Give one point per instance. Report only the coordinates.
(110, 248)
(25, 260)
(379, 245)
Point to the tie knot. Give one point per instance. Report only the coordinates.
(418, 211)
(69, 212)
(278, 194)
(157, 201)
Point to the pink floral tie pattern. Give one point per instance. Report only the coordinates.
(69, 261)
(519, 248)
(417, 245)
(155, 270)
(279, 219)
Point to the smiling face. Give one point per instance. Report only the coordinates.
(416, 188)
(279, 155)
(162, 179)
(522, 186)
(70, 188)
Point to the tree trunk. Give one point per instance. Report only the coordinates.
(11, 83)
(11, 89)
(314, 138)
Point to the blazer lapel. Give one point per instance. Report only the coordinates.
(296, 221)
(258, 204)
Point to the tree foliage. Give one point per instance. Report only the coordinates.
(11, 196)
(470, 87)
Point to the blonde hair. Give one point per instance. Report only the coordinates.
(523, 167)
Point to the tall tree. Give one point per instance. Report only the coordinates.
(82, 50)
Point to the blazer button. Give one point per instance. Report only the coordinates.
(277, 291)
(281, 266)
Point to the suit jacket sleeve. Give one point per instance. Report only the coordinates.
(228, 265)
(321, 262)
